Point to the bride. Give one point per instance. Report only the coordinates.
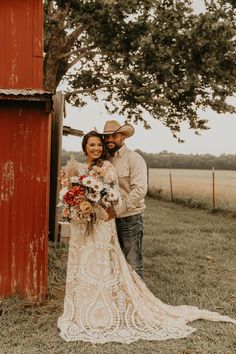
(105, 299)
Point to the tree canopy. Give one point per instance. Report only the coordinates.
(144, 55)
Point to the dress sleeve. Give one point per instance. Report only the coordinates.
(110, 172)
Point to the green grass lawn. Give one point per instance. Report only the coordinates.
(189, 258)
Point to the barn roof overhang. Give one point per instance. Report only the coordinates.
(70, 131)
(27, 95)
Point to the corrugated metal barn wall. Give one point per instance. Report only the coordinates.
(21, 59)
(25, 123)
(24, 187)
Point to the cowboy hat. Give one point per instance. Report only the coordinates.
(112, 127)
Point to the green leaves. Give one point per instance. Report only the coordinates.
(148, 55)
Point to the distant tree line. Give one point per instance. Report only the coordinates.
(165, 159)
(66, 155)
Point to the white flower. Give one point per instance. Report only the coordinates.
(74, 179)
(88, 181)
(94, 197)
(96, 185)
(113, 195)
(63, 192)
(106, 203)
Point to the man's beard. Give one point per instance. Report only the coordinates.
(113, 150)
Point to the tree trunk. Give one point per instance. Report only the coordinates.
(53, 70)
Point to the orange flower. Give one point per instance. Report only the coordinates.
(65, 212)
(85, 207)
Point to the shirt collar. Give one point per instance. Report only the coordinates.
(121, 151)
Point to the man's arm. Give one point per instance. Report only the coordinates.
(138, 182)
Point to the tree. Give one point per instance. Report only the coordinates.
(144, 55)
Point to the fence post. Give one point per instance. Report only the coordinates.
(171, 188)
(213, 189)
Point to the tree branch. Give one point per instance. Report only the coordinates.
(75, 61)
(72, 37)
(77, 51)
(93, 89)
(50, 8)
(61, 13)
(82, 55)
(70, 23)
(89, 90)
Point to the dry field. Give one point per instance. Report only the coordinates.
(196, 185)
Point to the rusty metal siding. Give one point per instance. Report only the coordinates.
(21, 33)
(25, 125)
(37, 77)
(24, 194)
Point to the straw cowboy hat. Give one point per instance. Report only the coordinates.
(112, 127)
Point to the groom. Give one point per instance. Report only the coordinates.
(132, 173)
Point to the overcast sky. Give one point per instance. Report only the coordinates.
(220, 138)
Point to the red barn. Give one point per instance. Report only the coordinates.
(25, 122)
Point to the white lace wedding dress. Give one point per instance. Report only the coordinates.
(106, 301)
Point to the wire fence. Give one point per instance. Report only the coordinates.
(214, 189)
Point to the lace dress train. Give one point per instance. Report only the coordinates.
(106, 301)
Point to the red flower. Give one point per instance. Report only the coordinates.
(74, 196)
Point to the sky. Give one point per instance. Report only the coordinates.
(219, 139)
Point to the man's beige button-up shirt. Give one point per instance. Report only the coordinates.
(132, 175)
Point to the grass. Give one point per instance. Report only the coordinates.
(189, 258)
(191, 201)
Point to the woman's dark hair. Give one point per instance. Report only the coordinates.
(90, 134)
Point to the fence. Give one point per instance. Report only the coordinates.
(213, 189)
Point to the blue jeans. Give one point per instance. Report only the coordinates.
(130, 235)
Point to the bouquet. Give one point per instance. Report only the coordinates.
(87, 194)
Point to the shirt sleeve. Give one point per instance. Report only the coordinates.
(138, 184)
